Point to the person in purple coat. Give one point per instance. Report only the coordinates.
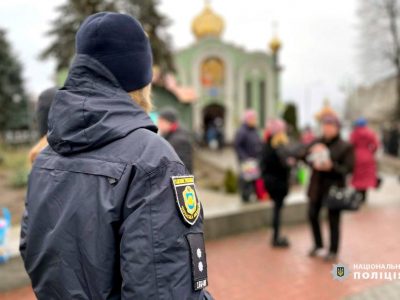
(248, 146)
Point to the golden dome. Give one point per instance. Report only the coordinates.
(207, 23)
(275, 44)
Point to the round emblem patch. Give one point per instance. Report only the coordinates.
(186, 198)
(190, 199)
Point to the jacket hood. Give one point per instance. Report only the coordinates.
(92, 110)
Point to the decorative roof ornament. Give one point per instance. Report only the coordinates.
(207, 23)
(275, 44)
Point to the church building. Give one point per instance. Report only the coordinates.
(222, 80)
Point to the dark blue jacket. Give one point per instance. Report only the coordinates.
(180, 140)
(101, 219)
(274, 170)
(247, 143)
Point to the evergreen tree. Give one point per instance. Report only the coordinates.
(290, 117)
(64, 27)
(155, 24)
(73, 13)
(13, 100)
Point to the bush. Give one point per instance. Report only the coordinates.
(19, 179)
(290, 117)
(230, 182)
(13, 158)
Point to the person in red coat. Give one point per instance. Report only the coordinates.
(365, 143)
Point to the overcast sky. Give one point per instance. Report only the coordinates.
(319, 39)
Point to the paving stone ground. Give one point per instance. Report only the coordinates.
(390, 291)
(246, 267)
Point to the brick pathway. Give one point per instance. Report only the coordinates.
(21, 294)
(390, 291)
(246, 267)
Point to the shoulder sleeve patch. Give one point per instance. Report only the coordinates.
(199, 260)
(186, 198)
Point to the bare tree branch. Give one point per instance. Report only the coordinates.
(379, 43)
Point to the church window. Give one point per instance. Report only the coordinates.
(249, 94)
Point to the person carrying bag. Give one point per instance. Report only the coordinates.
(331, 160)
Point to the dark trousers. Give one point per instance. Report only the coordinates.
(276, 217)
(334, 224)
(246, 189)
(363, 194)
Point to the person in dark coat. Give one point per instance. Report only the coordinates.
(111, 211)
(42, 113)
(332, 160)
(275, 164)
(43, 108)
(393, 140)
(365, 144)
(248, 147)
(180, 140)
(307, 136)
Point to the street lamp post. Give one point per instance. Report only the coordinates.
(275, 45)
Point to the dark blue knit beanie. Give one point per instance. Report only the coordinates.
(119, 42)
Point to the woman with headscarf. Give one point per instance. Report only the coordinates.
(331, 160)
(365, 144)
(275, 166)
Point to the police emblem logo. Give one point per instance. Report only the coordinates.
(340, 271)
(186, 198)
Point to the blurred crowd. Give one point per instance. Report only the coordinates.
(268, 161)
(336, 165)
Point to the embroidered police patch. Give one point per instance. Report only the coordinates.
(186, 198)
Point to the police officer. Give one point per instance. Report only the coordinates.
(111, 212)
